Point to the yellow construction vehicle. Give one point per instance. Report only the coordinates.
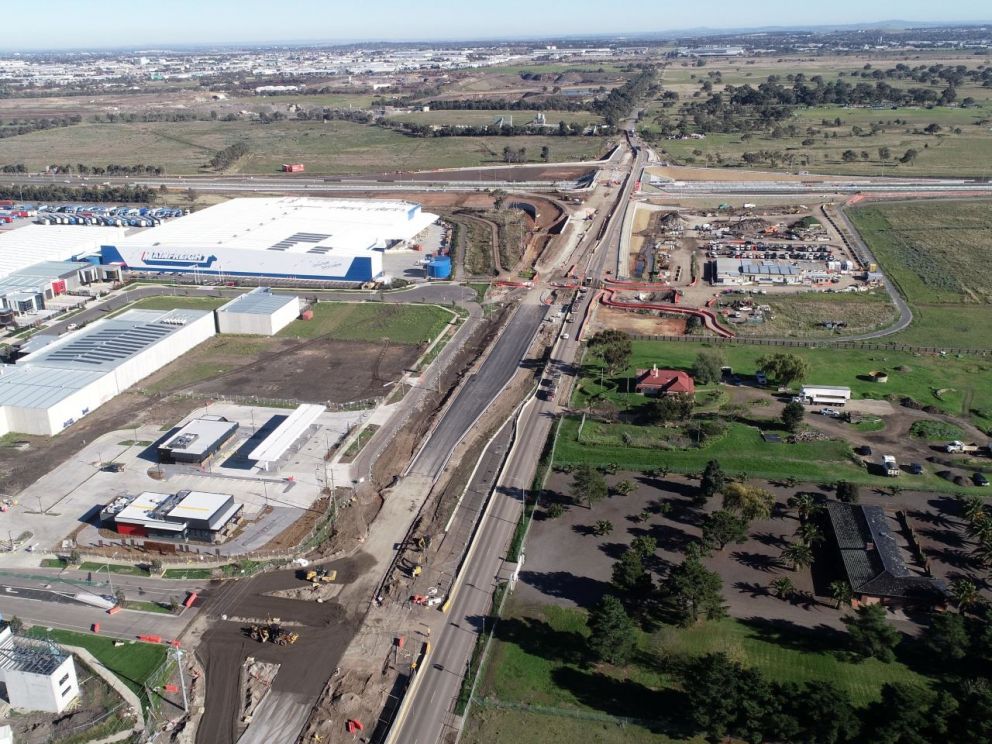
(321, 576)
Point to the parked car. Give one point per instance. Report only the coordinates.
(979, 479)
(914, 468)
(829, 412)
(863, 451)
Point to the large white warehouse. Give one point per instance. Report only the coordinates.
(49, 389)
(288, 237)
(28, 245)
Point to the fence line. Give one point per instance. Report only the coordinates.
(812, 344)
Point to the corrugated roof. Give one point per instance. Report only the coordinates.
(107, 344)
(281, 439)
(32, 244)
(41, 387)
(259, 301)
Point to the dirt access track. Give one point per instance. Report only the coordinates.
(324, 629)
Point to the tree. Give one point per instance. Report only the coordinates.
(841, 591)
(805, 505)
(848, 492)
(909, 156)
(713, 694)
(750, 502)
(602, 527)
(624, 487)
(613, 348)
(629, 576)
(964, 593)
(120, 598)
(74, 557)
(799, 555)
(555, 510)
(16, 624)
(668, 408)
(173, 604)
(722, 528)
(589, 485)
(809, 533)
(644, 546)
(783, 587)
(696, 591)
(870, 633)
(155, 565)
(611, 631)
(784, 368)
(792, 415)
(825, 713)
(712, 482)
(947, 637)
(708, 367)
(545, 153)
(191, 196)
(849, 156)
(884, 154)
(902, 716)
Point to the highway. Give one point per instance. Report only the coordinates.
(427, 716)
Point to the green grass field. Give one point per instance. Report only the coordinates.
(324, 147)
(171, 303)
(133, 662)
(937, 254)
(187, 574)
(802, 315)
(116, 568)
(537, 660)
(371, 321)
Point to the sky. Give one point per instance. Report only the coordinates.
(96, 24)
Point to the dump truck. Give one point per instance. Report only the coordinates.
(957, 448)
(890, 466)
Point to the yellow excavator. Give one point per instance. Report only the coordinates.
(321, 576)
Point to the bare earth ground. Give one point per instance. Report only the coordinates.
(622, 320)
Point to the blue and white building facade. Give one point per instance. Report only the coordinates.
(288, 237)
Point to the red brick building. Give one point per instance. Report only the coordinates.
(656, 381)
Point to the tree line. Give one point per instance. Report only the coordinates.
(16, 127)
(112, 169)
(619, 103)
(413, 129)
(60, 193)
(542, 103)
(229, 155)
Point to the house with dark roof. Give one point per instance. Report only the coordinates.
(656, 381)
(874, 560)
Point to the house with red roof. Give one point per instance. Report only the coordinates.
(656, 381)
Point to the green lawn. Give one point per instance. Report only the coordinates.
(187, 574)
(172, 303)
(537, 659)
(116, 568)
(333, 147)
(132, 662)
(488, 724)
(371, 321)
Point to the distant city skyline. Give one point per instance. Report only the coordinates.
(108, 24)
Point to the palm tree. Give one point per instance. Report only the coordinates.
(603, 527)
(804, 504)
(964, 593)
(980, 528)
(983, 553)
(972, 506)
(624, 487)
(799, 555)
(809, 533)
(783, 587)
(841, 591)
(748, 501)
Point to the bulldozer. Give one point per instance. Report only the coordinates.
(321, 576)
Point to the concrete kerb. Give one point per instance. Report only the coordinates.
(475, 470)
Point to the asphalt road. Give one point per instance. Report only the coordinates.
(476, 395)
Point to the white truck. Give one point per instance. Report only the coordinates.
(957, 448)
(890, 466)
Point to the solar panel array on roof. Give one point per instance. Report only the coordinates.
(300, 237)
(108, 345)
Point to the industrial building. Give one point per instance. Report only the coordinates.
(298, 425)
(825, 394)
(197, 441)
(259, 312)
(186, 515)
(31, 244)
(741, 271)
(49, 389)
(28, 290)
(288, 237)
(37, 674)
